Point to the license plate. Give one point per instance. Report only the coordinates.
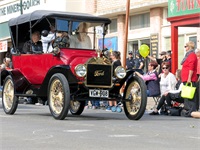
(98, 93)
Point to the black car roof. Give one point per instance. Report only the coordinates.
(40, 14)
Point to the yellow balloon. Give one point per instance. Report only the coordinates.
(144, 50)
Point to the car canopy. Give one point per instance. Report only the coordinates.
(40, 14)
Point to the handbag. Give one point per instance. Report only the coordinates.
(188, 91)
(174, 111)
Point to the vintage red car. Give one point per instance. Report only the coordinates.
(67, 77)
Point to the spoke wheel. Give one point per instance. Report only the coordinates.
(77, 107)
(59, 96)
(9, 100)
(136, 93)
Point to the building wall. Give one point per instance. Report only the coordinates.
(117, 9)
(7, 13)
(158, 24)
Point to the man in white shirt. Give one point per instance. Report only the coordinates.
(47, 41)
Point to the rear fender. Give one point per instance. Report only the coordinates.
(19, 80)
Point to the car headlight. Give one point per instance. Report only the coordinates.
(120, 72)
(80, 70)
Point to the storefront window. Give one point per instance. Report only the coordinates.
(140, 21)
(193, 39)
(113, 26)
(181, 51)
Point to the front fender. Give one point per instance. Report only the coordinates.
(65, 70)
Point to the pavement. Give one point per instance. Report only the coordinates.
(150, 103)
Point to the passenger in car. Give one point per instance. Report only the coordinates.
(34, 45)
(47, 41)
(81, 39)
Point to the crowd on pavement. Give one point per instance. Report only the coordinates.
(159, 80)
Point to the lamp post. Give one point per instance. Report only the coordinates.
(21, 7)
(126, 32)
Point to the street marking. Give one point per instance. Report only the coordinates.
(119, 136)
(5, 116)
(77, 131)
(42, 135)
(192, 137)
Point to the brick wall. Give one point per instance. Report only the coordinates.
(113, 6)
(90, 6)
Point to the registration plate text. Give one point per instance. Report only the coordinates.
(98, 93)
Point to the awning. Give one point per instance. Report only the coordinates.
(4, 30)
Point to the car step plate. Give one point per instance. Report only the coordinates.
(98, 93)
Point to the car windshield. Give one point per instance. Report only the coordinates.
(81, 34)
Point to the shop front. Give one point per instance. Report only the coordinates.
(5, 40)
(182, 13)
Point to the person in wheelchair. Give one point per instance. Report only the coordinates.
(151, 79)
(34, 45)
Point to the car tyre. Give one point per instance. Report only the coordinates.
(9, 100)
(136, 93)
(58, 96)
(77, 107)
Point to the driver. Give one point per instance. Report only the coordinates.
(34, 45)
(62, 40)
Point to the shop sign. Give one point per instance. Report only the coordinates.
(3, 46)
(15, 7)
(154, 44)
(99, 32)
(183, 7)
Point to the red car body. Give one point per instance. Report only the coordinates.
(36, 66)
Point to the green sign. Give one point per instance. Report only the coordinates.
(183, 7)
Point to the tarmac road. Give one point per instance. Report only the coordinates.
(32, 127)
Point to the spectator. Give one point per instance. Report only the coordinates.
(139, 61)
(167, 83)
(159, 60)
(168, 56)
(130, 64)
(34, 45)
(47, 41)
(6, 64)
(8, 53)
(189, 74)
(151, 79)
(173, 95)
(95, 104)
(115, 57)
(197, 51)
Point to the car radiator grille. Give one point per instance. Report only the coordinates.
(99, 75)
